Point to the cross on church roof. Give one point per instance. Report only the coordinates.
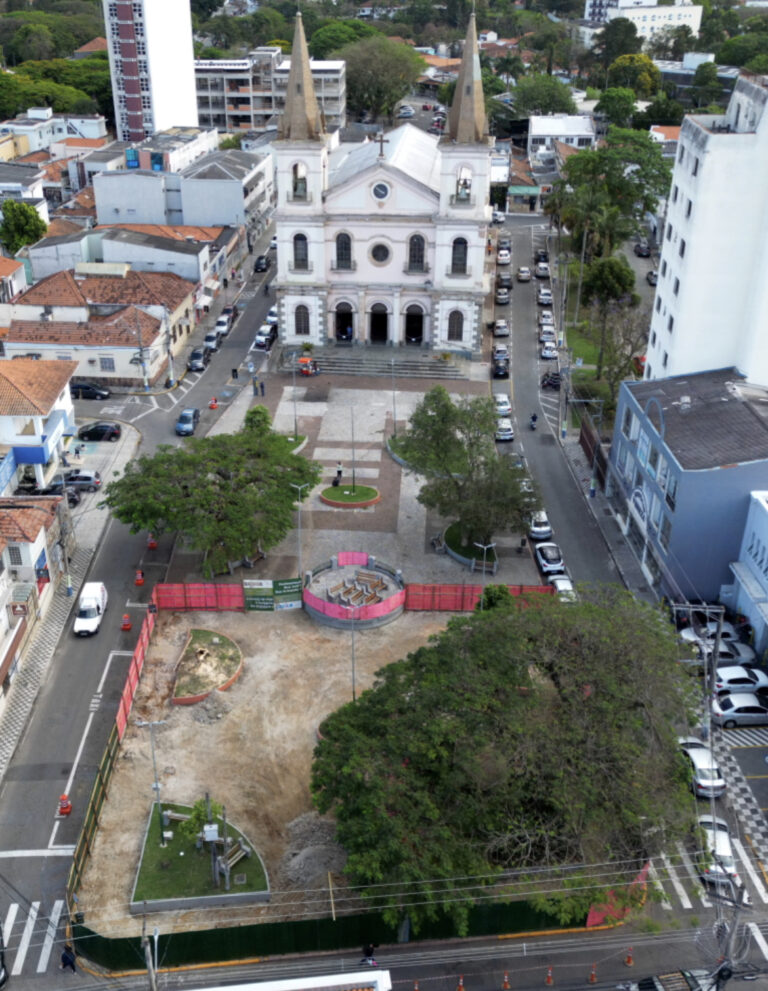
(382, 141)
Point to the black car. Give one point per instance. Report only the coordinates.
(504, 280)
(262, 263)
(652, 277)
(503, 242)
(199, 360)
(643, 249)
(88, 390)
(80, 479)
(500, 369)
(102, 430)
(55, 488)
(541, 255)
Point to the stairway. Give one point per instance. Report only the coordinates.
(359, 361)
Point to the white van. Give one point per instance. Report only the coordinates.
(90, 609)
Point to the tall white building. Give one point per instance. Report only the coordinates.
(647, 15)
(383, 243)
(711, 305)
(151, 63)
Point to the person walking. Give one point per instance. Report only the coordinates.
(262, 387)
(368, 955)
(68, 959)
(339, 470)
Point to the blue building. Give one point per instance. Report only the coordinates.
(687, 452)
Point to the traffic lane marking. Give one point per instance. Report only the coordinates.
(656, 881)
(746, 863)
(758, 938)
(679, 889)
(694, 876)
(26, 938)
(50, 936)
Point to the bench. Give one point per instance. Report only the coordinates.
(356, 596)
(378, 586)
(174, 816)
(336, 589)
(367, 576)
(372, 599)
(233, 856)
(488, 567)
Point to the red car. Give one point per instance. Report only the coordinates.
(426, 106)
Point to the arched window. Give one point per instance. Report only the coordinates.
(459, 256)
(464, 183)
(299, 181)
(416, 253)
(343, 251)
(301, 320)
(301, 253)
(455, 325)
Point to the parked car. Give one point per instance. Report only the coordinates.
(187, 421)
(223, 326)
(406, 111)
(265, 336)
(231, 311)
(504, 280)
(739, 709)
(198, 360)
(717, 864)
(546, 318)
(504, 242)
(548, 352)
(501, 296)
(503, 256)
(262, 263)
(652, 277)
(735, 678)
(706, 779)
(101, 430)
(523, 274)
(56, 488)
(707, 632)
(549, 558)
(498, 217)
(551, 380)
(500, 352)
(541, 255)
(434, 129)
(79, 478)
(273, 243)
(642, 249)
(503, 405)
(731, 652)
(540, 528)
(544, 296)
(504, 430)
(547, 335)
(88, 390)
(563, 587)
(501, 328)
(212, 340)
(542, 270)
(271, 317)
(500, 369)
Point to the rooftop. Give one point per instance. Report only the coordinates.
(407, 148)
(22, 518)
(30, 388)
(138, 288)
(561, 124)
(115, 330)
(711, 420)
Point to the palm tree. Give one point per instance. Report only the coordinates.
(509, 67)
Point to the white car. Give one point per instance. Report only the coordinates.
(500, 352)
(739, 679)
(731, 652)
(549, 558)
(504, 430)
(273, 243)
(739, 709)
(271, 317)
(498, 217)
(540, 528)
(406, 111)
(563, 587)
(547, 335)
(706, 779)
(501, 328)
(707, 632)
(717, 864)
(542, 270)
(503, 256)
(503, 405)
(544, 296)
(548, 352)
(523, 274)
(546, 317)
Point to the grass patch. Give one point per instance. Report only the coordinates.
(345, 493)
(194, 675)
(452, 537)
(299, 439)
(583, 347)
(180, 870)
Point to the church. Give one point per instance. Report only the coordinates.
(383, 243)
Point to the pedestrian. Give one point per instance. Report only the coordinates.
(255, 386)
(78, 451)
(266, 289)
(234, 374)
(368, 955)
(64, 460)
(339, 470)
(68, 959)
(262, 387)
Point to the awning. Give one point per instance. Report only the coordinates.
(524, 190)
(745, 577)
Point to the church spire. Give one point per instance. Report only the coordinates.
(301, 119)
(468, 123)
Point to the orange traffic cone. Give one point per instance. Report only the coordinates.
(549, 979)
(214, 403)
(415, 986)
(65, 806)
(126, 624)
(151, 542)
(593, 974)
(139, 579)
(629, 960)
(460, 986)
(505, 985)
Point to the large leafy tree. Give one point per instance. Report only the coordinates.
(88, 76)
(618, 105)
(636, 72)
(542, 94)
(608, 283)
(533, 737)
(228, 495)
(336, 34)
(618, 37)
(623, 337)
(452, 445)
(21, 225)
(379, 73)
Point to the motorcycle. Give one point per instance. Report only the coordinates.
(532, 421)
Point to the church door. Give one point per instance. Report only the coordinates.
(414, 325)
(379, 324)
(344, 323)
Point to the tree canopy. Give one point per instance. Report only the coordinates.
(335, 34)
(618, 37)
(533, 735)
(228, 495)
(618, 105)
(636, 72)
(379, 73)
(21, 225)
(542, 94)
(452, 445)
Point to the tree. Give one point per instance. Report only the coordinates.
(509, 67)
(626, 336)
(661, 110)
(336, 34)
(542, 94)
(705, 86)
(618, 105)
(608, 281)
(379, 73)
(758, 65)
(21, 225)
(452, 445)
(636, 72)
(738, 51)
(671, 43)
(32, 41)
(535, 741)
(228, 495)
(618, 37)
(635, 171)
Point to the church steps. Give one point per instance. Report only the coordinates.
(364, 363)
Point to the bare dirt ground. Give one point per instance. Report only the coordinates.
(250, 748)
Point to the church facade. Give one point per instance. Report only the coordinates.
(383, 243)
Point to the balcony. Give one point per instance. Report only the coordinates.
(452, 273)
(348, 266)
(416, 269)
(462, 199)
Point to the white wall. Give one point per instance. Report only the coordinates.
(171, 61)
(131, 197)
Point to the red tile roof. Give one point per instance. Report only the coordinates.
(139, 288)
(114, 330)
(23, 525)
(60, 228)
(160, 230)
(94, 45)
(30, 388)
(84, 142)
(667, 131)
(33, 157)
(9, 265)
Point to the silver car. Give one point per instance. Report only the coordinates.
(540, 528)
(735, 678)
(706, 779)
(717, 864)
(739, 709)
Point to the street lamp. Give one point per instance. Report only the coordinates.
(484, 548)
(156, 786)
(394, 399)
(352, 422)
(295, 415)
(354, 617)
(169, 345)
(299, 489)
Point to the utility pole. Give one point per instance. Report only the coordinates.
(148, 955)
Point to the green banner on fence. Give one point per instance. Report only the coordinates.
(287, 593)
(258, 594)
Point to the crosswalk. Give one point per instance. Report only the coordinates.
(756, 736)
(31, 936)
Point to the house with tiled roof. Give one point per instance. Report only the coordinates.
(667, 136)
(79, 209)
(13, 278)
(156, 310)
(41, 126)
(24, 183)
(91, 47)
